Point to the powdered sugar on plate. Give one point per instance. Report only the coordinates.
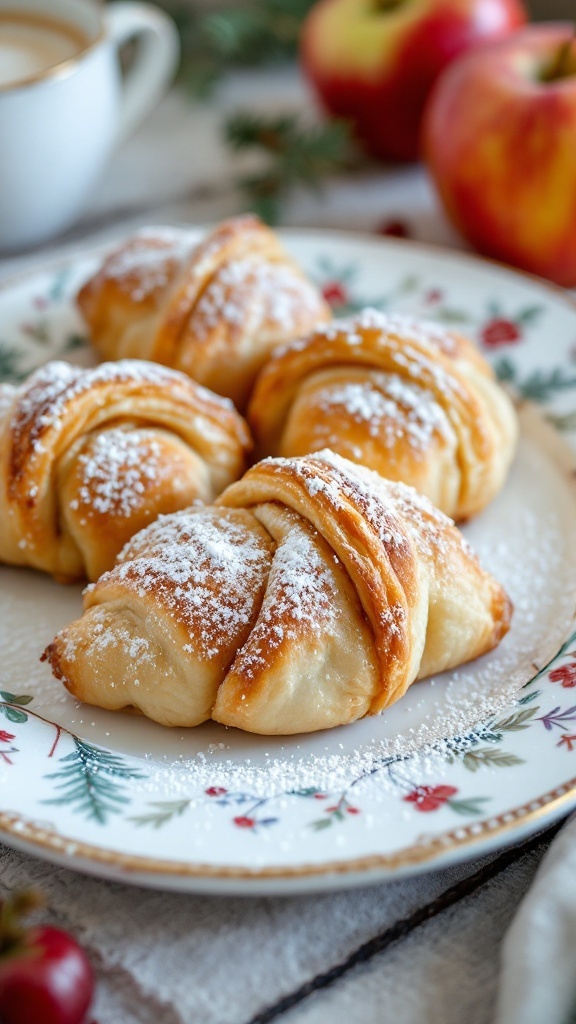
(526, 538)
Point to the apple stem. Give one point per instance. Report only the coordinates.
(12, 909)
(562, 65)
(387, 5)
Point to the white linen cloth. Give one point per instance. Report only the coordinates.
(539, 953)
(428, 947)
(164, 958)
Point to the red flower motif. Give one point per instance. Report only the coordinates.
(566, 675)
(499, 331)
(430, 798)
(320, 796)
(330, 810)
(396, 228)
(5, 737)
(567, 741)
(245, 822)
(215, 791)
(335, 293)
(434, 295)
(353, 810)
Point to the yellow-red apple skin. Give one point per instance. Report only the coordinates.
(500, 145)
(376, 67)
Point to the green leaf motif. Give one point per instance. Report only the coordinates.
(529, 315)
(321, 823)
(165, 812)
(517, 721)
(467, 807)
(452, 316)
(538, 386)
(13, 714)
(410, 283)
(491, 757)
(541, 386)
(75, 341)
(89, 781)
(563, 422)
(529, 697)
(505, 370)
(10, 358)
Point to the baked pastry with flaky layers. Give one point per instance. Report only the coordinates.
(214, 310)
(407, 398)
(89, 457)
(312, 593)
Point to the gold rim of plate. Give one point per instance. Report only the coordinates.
(426, 849)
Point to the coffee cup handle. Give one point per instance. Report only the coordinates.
(154, 63)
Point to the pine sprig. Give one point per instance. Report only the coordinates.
(89, 781)
(539, 385)
(260, 32)
(298, 154)
(10, 358)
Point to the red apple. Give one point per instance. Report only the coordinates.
(500, 142)
(375, 61)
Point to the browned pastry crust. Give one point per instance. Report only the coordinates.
(89, 457)
(314, 592)
(409, 399)
(213, 310)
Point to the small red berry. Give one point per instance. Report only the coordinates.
(245, 822)
(395, 228)
(335, 293)
(320, 796)
(353, 810)
(215, 791)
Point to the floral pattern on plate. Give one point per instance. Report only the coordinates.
(104, 808)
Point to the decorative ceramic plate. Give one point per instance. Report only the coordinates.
(464, 762)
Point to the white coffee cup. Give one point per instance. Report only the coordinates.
(64, 103)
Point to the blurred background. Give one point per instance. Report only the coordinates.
(552, 9)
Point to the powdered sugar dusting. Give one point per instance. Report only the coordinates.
(206, 568)
(118, 471)
(48, 393)
(138, 648)
(148, 261)
(259, 294)
(408, 328)
(390, 408)
(432, 532)
(301, 599)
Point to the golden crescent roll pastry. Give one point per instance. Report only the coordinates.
(214, 310)
(409, 399)
(89, 457)
(312, 593)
